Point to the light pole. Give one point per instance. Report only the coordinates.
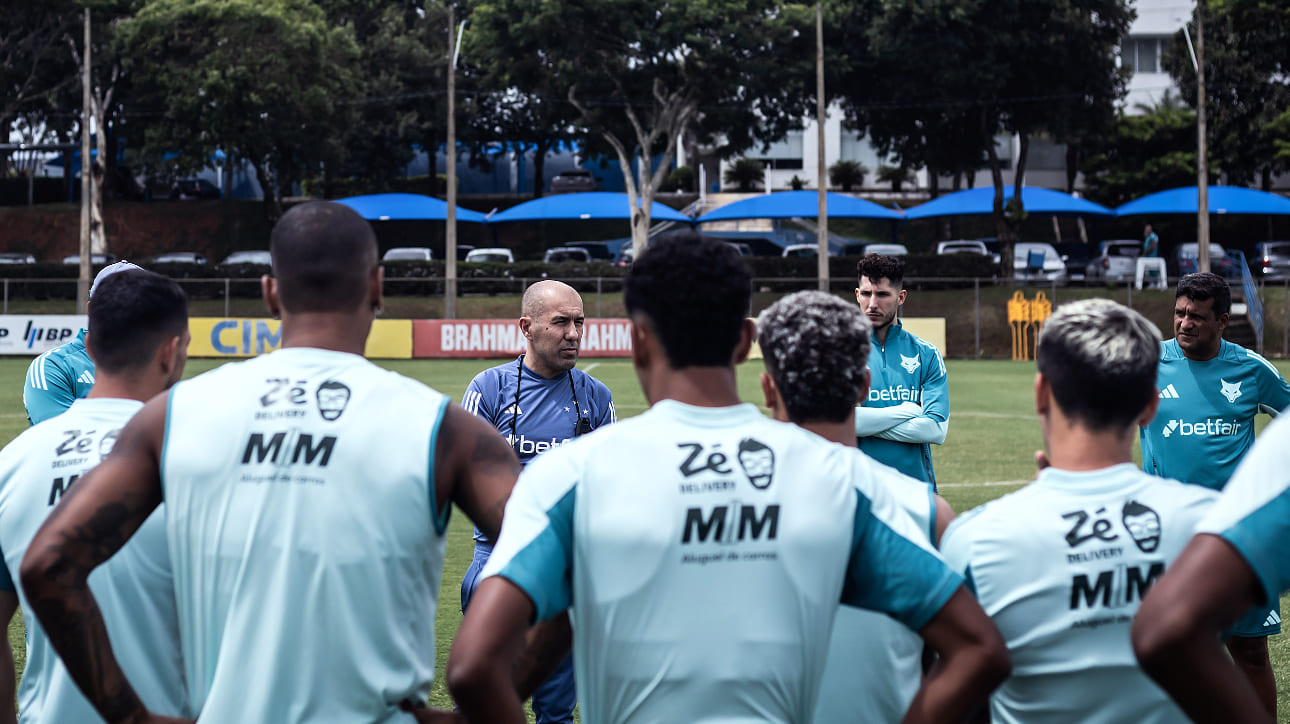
(822, 213)
(1202, 152)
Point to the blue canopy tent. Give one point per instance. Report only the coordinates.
(800, 204)
(1222, 200)
(590, 205)
(406, 207)
(1036, 200)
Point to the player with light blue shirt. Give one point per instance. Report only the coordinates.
(1237, 560)
(1210, 392)
(702, 547)
(907, 409)
(1062, 564)
(307, 497)
(140, 341)
(64, 374)
(815, 347)
(540, 401)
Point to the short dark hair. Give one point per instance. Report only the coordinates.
(876, 266)
(816, 349)
(695, 292)
(1100, 359)
(322, 255)
(132, 314)
(1201, 286)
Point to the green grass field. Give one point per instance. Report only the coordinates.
(988, 453)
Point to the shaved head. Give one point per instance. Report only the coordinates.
(323, 256)
(540, 296)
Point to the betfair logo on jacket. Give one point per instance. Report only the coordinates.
(1210, 427)
(897, 393)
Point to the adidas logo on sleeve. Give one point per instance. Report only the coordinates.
(1169, 393)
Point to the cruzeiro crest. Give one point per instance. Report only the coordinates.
(1230, 391)
(909, 363)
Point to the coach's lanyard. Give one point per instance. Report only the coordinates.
(581, 425)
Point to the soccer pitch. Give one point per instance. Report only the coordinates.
(989, 452)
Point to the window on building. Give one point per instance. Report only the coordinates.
(784, 153)
(1143, 54)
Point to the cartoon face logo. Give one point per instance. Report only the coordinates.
(107, 442)
(909, 363)
(1143, 525)
(1230, 391)
(332, 398)
(758, 462)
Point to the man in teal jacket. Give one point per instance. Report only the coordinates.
(65, 373)
(908, 407)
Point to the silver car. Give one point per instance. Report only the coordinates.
(1047, 263)
(1117, 261)
(1272, 260)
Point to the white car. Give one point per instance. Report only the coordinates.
(408, 253)
(962, 246)
(179, 257)
(248, 257)
(503, 256)
(1050, 266)
(801, 250)
(561, 254)
(1117, 261)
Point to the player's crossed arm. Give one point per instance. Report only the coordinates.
(90, 524)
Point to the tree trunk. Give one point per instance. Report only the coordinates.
(1072, 165)
(1001, 228)
(933, 182)
(268, 188)
(539, 167)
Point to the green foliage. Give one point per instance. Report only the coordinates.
(894, 175)
(680, 179)
(796, 183)
(1146, 153)
(264, 80)
(745, 173)
(1246, 86)
(847, 174)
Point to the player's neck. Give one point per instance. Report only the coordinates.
(843, 433)
(111, 387)
(1076, 448)
(1202, 355)
(337, 331)
(544, 371)
(698, 386)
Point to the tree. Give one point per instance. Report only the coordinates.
(847, 174)
(745, 173)
(1148, 152)
(1246, 85)
(639, 73)
(980, 68)
(32, 59)
(268, 81)
(897, 176)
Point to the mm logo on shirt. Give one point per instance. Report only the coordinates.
(730, 523)
(283, 448)
(1211, 427)
(1116, 588)
(898, 393)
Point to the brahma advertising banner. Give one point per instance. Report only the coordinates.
(433, 338)
(34, 334)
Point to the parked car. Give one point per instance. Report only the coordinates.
(194, 188)
(742, 248)
(1185, 259)
(1051, 268)
(95, 259)
(962, 246)
(1117, 261)
(868, 248)
(561, 254)
(179, 257)
(16, 257)
(408, 253)
(1272, 260)
(626, 255)
(801, 250)
(503, 256)
(599, 250)
(463, 251)
(1075, 256)
(575, 180)
(248, 257)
